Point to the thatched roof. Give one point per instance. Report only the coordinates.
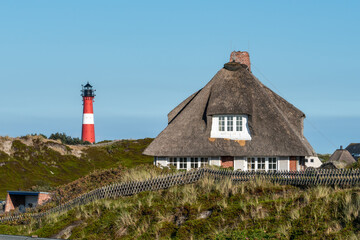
(354, 148)
(341, 158)
(275, 125)
(328, 165)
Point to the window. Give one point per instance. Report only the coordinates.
(238, 123)
(306, 160)
(311, 160)
(182, 163)
(234, 127)
(251, 164)
(272, 165)
(221, 124)
(261, 164)
(230, 124)
(204, 162)
(173, 162)
(194, 162)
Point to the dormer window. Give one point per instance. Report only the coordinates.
(221, 123)
(230, 126)
(230, 123)
(238, 123)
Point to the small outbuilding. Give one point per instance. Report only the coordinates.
(328, 165)
(354, 149)
(342, 158)
(23, 200)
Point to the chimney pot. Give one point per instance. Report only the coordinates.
(242, 57)
(341, 147)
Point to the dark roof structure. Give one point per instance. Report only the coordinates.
(276, 126)
(88, 85)
(27, 193)
(341, 158)
(354, 149)
(328, 165)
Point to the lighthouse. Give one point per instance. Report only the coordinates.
(88, 130)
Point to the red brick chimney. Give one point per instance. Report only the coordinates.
(241, 57)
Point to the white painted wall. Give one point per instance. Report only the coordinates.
(312, 161)
(240, 163)
(216, 161)
(161, 161)
(283, 163)
(234, 135)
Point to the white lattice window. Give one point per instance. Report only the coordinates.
(173, 162)
(230, 123)
(251, 164)
(272, 164)
(204, 161)
(230, 126)
(182, 163)
(238, 123)
(221, 124)
(261, 164)
(194, 162)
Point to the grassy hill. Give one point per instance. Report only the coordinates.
(210, 209)
(36, 163)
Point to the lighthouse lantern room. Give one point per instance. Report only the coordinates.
(88, 129)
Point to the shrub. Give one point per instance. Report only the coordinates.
(68, 139)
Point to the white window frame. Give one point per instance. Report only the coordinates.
(239, 123)
(173, 162)
(271, 164)
(229, 123)
(265, 165)
(183, 163)
(222, 121)
(233, 127)
(187, 163)
(251, 161)
(194, 162)
(261, 164)
(204, 161)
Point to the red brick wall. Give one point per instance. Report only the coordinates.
(227, 162)
(241, 57)
(293, 164)
(43, 197)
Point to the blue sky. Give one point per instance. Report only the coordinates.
(145, 57)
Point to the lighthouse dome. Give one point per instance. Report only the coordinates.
(87, 90)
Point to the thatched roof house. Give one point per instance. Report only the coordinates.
(341, 158)
(235, 121)
(354, 149)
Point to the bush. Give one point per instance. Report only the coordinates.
(68, 139)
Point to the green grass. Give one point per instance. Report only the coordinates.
(40, 167)
(254, 210)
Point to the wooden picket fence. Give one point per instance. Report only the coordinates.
(330, 177)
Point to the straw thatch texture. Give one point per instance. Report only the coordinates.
(342, 158)
(275, 125)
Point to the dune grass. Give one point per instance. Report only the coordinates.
(38, 167)
(212, 209)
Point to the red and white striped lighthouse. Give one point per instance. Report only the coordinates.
(88, 130)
